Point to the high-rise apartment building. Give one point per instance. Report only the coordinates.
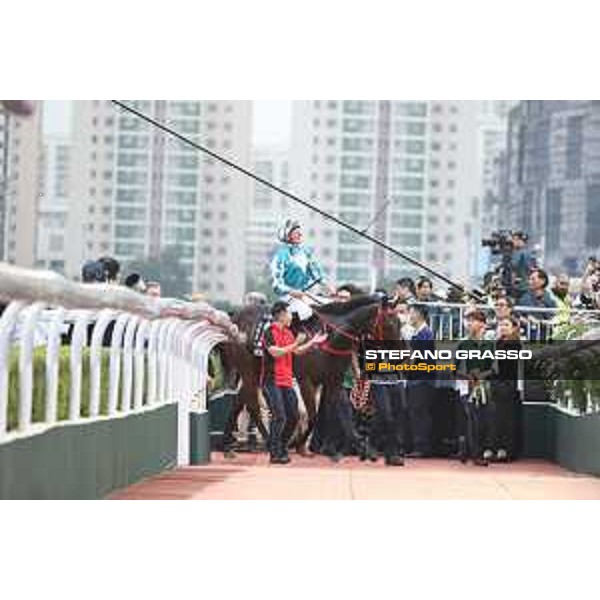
(140, 190)
(20, 188)
(269, 210)
(365, 162)
(454, 186)
(553, 178)
(54, 204)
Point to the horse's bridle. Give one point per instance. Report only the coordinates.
(354, 339)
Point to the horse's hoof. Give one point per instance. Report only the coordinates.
(229, 454)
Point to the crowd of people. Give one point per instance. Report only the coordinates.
(475, 416)
(107, 269)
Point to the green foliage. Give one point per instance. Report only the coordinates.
(168, 269)
(64, 385)
(216, 371)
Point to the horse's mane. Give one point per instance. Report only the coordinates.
(341, 309)
(247, 317)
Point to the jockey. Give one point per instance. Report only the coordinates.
(294, 270)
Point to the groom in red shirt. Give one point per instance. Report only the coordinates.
(277, 379)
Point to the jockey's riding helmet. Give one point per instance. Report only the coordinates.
(286, 229)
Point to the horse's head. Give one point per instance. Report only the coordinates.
(367, 315)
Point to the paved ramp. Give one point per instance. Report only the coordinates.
(250, 477)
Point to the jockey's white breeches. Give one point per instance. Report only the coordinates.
(302, 307)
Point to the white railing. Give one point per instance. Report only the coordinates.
(157, 353)
(537, 324)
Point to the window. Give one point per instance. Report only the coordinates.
(129, 231)
(407, 220)
(130, 213)
(355, 181)
(131, 196)
(356, 163)
(574, 147)
(409, 183)
(415, 202)
(183, 179)
(131, 177)
(133, 141)
(358, 125)
(358, 107)
(406, 239)
(411, 109)
(357, 144)
(416, 128)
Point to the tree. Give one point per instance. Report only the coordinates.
(168, 269)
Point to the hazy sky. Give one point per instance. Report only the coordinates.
(272, 120)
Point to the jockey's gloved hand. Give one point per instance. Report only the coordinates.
(330, 289)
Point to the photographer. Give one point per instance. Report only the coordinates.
(522, 262)
(590, 285)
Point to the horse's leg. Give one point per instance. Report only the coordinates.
(254, 408)
(230, 424)
(308, 391)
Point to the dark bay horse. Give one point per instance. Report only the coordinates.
(346, 323)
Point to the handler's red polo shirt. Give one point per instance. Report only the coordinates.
(278, 369)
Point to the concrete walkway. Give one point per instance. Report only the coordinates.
(250, 477)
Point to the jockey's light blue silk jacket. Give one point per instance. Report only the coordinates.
(294, 267)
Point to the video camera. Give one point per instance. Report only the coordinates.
(501, 279)
(501, 241)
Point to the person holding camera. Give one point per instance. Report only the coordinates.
(522, 261)
(590, 285)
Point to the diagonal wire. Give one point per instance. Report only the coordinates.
(287, 194)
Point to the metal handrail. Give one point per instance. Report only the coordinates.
(158, 351)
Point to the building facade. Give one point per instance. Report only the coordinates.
(553, 178)
(21, 184)
(54, 204)
(140, 190)
(365, 162)
(268, 212)
(413, 173)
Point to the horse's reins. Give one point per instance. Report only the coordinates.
(326, 347)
